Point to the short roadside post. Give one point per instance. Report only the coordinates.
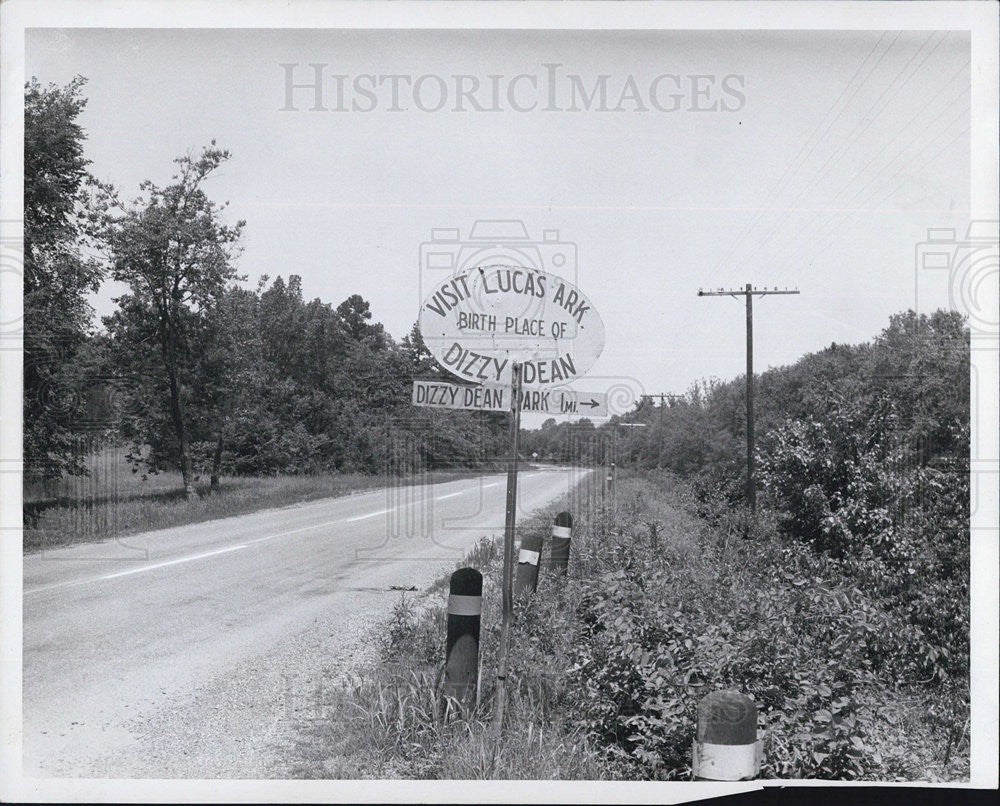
(465, 606)
(725, 744)
(527, 565)
(562, 532)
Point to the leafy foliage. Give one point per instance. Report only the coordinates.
(853, 589)
(881, 483)
(58, 274)
(657, 626)
(863, 457)
(175, 253)
(219, 378)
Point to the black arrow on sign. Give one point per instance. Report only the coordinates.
(593, 403)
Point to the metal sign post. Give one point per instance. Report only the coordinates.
(500, 328)
(508, 546)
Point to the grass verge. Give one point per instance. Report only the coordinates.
(113, 501)
(608, 665)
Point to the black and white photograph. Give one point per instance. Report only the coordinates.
(544, 402)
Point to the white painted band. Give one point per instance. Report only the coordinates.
(528, 556)
(726, 762)
(464, 605)
(561, 531)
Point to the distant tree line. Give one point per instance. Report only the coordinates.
(195, 371)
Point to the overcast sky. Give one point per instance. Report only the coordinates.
(827, 157)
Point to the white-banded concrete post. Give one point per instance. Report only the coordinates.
(465, 607)
(604, 487)
(611, 486)
(725, 744)
(562, 531)
(527, 565)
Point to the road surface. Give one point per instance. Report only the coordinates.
(179, 653)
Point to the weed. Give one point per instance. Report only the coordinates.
(609, 662)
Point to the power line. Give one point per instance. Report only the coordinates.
(774, 192)
(853, 203)
(906, 127)
(803, 247)
(805, 241)
(881, 108)
(838, 154)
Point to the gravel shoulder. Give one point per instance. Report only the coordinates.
(247, 719)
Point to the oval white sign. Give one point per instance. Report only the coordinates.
(478, 322)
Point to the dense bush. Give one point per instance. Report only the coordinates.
(282, 385)
(863, 456)
(655, 636)
(608, 664)
(901, 532)
(880, 484)
(662, 620)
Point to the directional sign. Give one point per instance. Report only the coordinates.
(490, 397)
(565, 401)
(481, 320)
(434, 394)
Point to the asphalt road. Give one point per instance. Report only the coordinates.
(185, 652)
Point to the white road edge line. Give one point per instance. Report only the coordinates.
(248, 543)
(369, 515)
(178, 561)
(58, 585)
(131, 571)
(470, 490)
(265, 538)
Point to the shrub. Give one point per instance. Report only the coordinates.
(609, 663)
(763, 616)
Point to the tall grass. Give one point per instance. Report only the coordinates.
(609, 662)
(113, 500)
(396, 723)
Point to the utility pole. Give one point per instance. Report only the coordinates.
(665, 397)
(749, 292)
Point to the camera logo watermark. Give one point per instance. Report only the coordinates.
(967, 269)
(11, 270)
(493, 242)
(322, 87)
(504, 252)
(962, 272)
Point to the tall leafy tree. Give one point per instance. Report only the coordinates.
(58, 274)
(173, 250)
(229, 379)
(418, 357)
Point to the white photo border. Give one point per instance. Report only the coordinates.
(979, 18)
